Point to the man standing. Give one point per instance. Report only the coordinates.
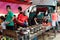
(9, 18)
(54, 21)
(54, 18)
(22, 18)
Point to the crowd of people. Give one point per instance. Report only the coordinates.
(11, 22)
(10, 19)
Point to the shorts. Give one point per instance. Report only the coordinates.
(10, 27)
(53, 23)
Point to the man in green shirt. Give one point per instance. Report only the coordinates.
(9, 18)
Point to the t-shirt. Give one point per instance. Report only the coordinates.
(22, 18)
(54, 16)
(9, 17)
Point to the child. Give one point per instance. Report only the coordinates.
(2, 23)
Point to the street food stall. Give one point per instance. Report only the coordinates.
(43, 7)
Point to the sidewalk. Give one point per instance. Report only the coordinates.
(57, 37)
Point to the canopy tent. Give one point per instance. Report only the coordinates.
(16, 1)
(14, 7)
(44, 2)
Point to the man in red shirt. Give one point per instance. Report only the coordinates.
(22, 18)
